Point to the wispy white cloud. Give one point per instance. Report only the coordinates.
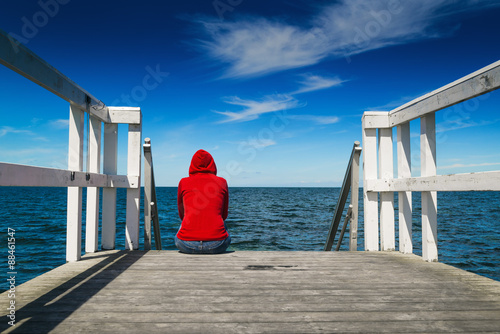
(312, 83)
(461, 123)
(4, 130)
(44, 139)
(252, 109)
(257, 46)
(316, 119)
(59, 123)
(35, 121)
(260, 143)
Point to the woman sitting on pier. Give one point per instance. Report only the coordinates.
(202, 201)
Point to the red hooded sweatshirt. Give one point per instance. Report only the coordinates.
(202, 201)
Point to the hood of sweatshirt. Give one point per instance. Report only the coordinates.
(202, 162)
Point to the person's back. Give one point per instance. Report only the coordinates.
(202, 200)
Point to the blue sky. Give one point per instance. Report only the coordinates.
(274, 90)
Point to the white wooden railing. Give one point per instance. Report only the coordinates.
(379, 178)
(21, 60)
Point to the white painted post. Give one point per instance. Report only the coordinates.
(74, 205)
(370, 199)
(386, 171)
(404, 197)
(429, 198)
(94, 153)
(133, 195)
(108, 233)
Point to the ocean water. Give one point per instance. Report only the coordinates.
(282, 219)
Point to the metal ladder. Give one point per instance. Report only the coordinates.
(351, 182)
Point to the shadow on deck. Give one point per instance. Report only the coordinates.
(46, 301)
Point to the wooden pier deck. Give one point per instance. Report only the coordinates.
(255, 292)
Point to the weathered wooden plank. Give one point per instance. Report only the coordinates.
(276, 317)
(292, 277)
(276, 305)
(204, 289)
(272, 327)
(379, 303)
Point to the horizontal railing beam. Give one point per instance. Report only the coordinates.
(375, 119)
(484, 181)
(477, 83)
(14, 175)
(124, 115)
(21, 60)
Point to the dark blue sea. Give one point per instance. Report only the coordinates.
(279, 219)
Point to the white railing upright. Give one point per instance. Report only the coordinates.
(150, 202)
(21, 60)
(379, 177)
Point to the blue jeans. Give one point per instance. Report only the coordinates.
(202, 247)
